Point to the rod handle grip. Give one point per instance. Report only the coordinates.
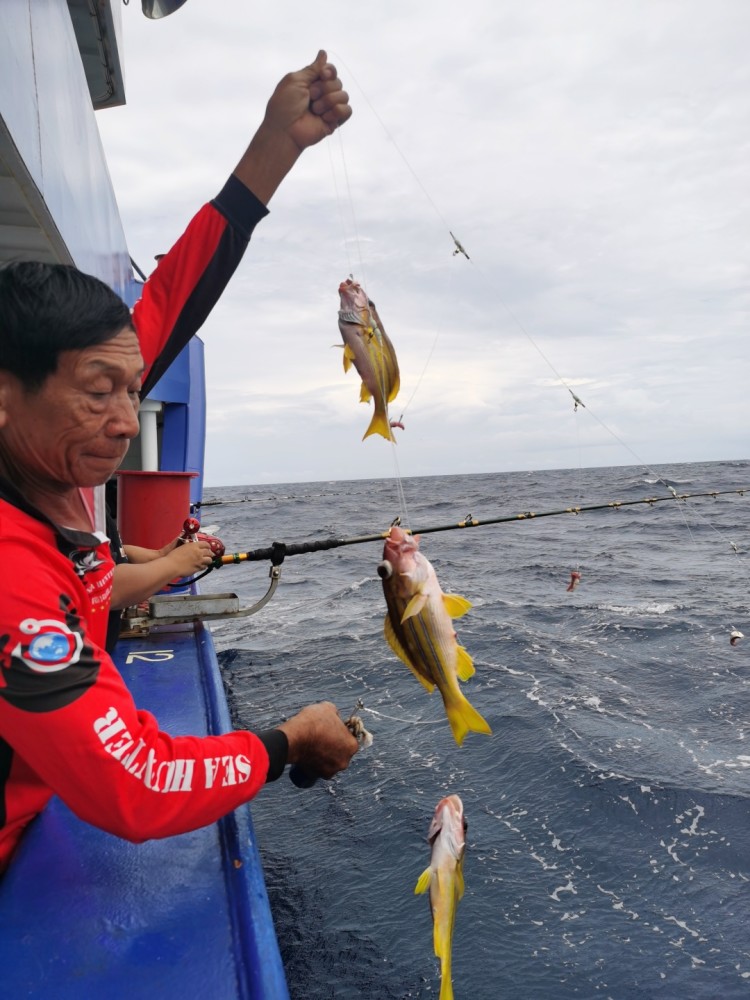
(300, 777)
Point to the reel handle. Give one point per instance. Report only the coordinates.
(190, 528)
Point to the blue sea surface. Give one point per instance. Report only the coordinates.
(608, 845)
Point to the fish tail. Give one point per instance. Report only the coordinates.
(464, 718)
(379, 425)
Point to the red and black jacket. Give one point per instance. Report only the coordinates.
(68, 724)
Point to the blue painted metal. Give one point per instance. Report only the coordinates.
(182, 389)
(84, 914)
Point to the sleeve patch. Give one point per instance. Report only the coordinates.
(46, 662)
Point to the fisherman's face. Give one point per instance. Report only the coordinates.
(76, 428)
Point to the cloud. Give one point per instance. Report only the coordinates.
(591, 158)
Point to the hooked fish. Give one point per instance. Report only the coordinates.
(445, 879)
(367, 347)
(419, 630)
(575, 579)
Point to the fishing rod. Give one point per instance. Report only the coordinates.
(278, 551)
(198, 504)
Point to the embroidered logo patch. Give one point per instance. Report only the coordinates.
(52, 646)
(85, 561)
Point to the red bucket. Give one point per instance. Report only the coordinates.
(152, 506)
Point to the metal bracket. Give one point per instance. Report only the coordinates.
(182, 609)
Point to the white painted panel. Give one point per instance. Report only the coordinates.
(46, 109)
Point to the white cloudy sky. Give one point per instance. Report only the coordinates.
(592, 156)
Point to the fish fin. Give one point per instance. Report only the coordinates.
(455, 605)
(395, 643)
(427, 684)
(379, 423)
(423, 882)
(394, 391)
(348, 357)
(364, 394)
(464, 718)
(460, 879)
(465, 666)
(414, 606)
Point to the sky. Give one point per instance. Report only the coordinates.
(592, 158)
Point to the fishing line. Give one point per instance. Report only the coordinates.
(408, 722)
(429, 359)
(441, 217)
(459, 249)
(425, 192)
(349, 204)
(374, 326)
(400, 489)
(422, 375)
(403, 507)
(390, 137)
(579, 403)
(575, 576)
(339, 206)
(358, 243)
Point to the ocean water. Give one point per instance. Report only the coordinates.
(608, 844)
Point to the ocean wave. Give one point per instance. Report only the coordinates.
(647, 608)
(608, 812)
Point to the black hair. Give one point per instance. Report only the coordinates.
(49, 308)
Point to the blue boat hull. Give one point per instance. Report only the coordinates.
(85, 914)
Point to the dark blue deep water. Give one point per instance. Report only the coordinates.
(608, 849)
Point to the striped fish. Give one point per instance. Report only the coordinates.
(367, 347)
(419, 630)
(445, 880)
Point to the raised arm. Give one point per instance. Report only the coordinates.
(305, 107)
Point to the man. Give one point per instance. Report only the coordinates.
(71, 372)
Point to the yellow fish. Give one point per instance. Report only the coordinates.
(445, 880)
(419, 630)
(367, 347)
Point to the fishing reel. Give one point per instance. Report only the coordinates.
(191, 533)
